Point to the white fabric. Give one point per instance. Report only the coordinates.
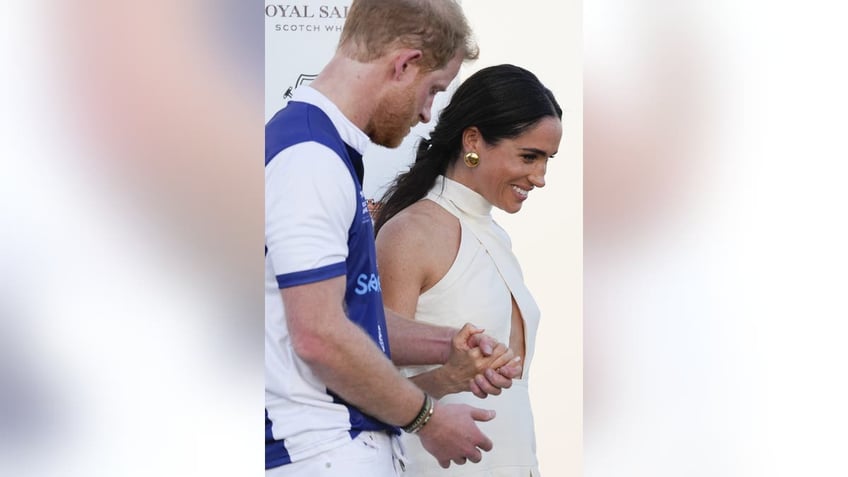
(478, 288)
(307, 184)
(374, 454)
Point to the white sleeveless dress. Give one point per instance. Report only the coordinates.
(478, 289)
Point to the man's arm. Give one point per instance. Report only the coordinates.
(466, 365)
(343, 356)
(431, 344)
(471, 357)
(351, 365)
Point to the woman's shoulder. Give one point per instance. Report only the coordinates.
(424, 231)
(422, 220)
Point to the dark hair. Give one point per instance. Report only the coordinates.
(502, 101)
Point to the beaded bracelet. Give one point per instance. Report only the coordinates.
(423, 416)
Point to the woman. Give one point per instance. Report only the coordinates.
(442, 258)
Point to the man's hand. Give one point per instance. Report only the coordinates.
(451, 434)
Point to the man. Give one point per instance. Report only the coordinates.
(334, 400)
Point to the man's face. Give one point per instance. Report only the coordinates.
(399, 111)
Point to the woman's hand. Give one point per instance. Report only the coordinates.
(479, 363)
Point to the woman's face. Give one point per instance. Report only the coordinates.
(509, 170)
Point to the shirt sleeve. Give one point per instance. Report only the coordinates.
(310, 203)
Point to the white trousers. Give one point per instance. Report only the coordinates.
(374, 454)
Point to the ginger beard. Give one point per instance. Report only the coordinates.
(393, 118)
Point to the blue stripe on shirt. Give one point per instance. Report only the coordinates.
(287, 280)
(276, 453)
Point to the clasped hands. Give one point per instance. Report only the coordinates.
(480, 364)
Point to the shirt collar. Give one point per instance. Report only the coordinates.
(350, 134)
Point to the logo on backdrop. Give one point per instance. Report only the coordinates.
(307, 18)
(302, 79)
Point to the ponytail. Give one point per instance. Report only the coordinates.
(411, 186)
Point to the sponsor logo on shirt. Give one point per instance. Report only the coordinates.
(366, 283)
(366, 215)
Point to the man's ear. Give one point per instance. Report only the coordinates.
(406, 64)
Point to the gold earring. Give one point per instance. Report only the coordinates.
(472, 159)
